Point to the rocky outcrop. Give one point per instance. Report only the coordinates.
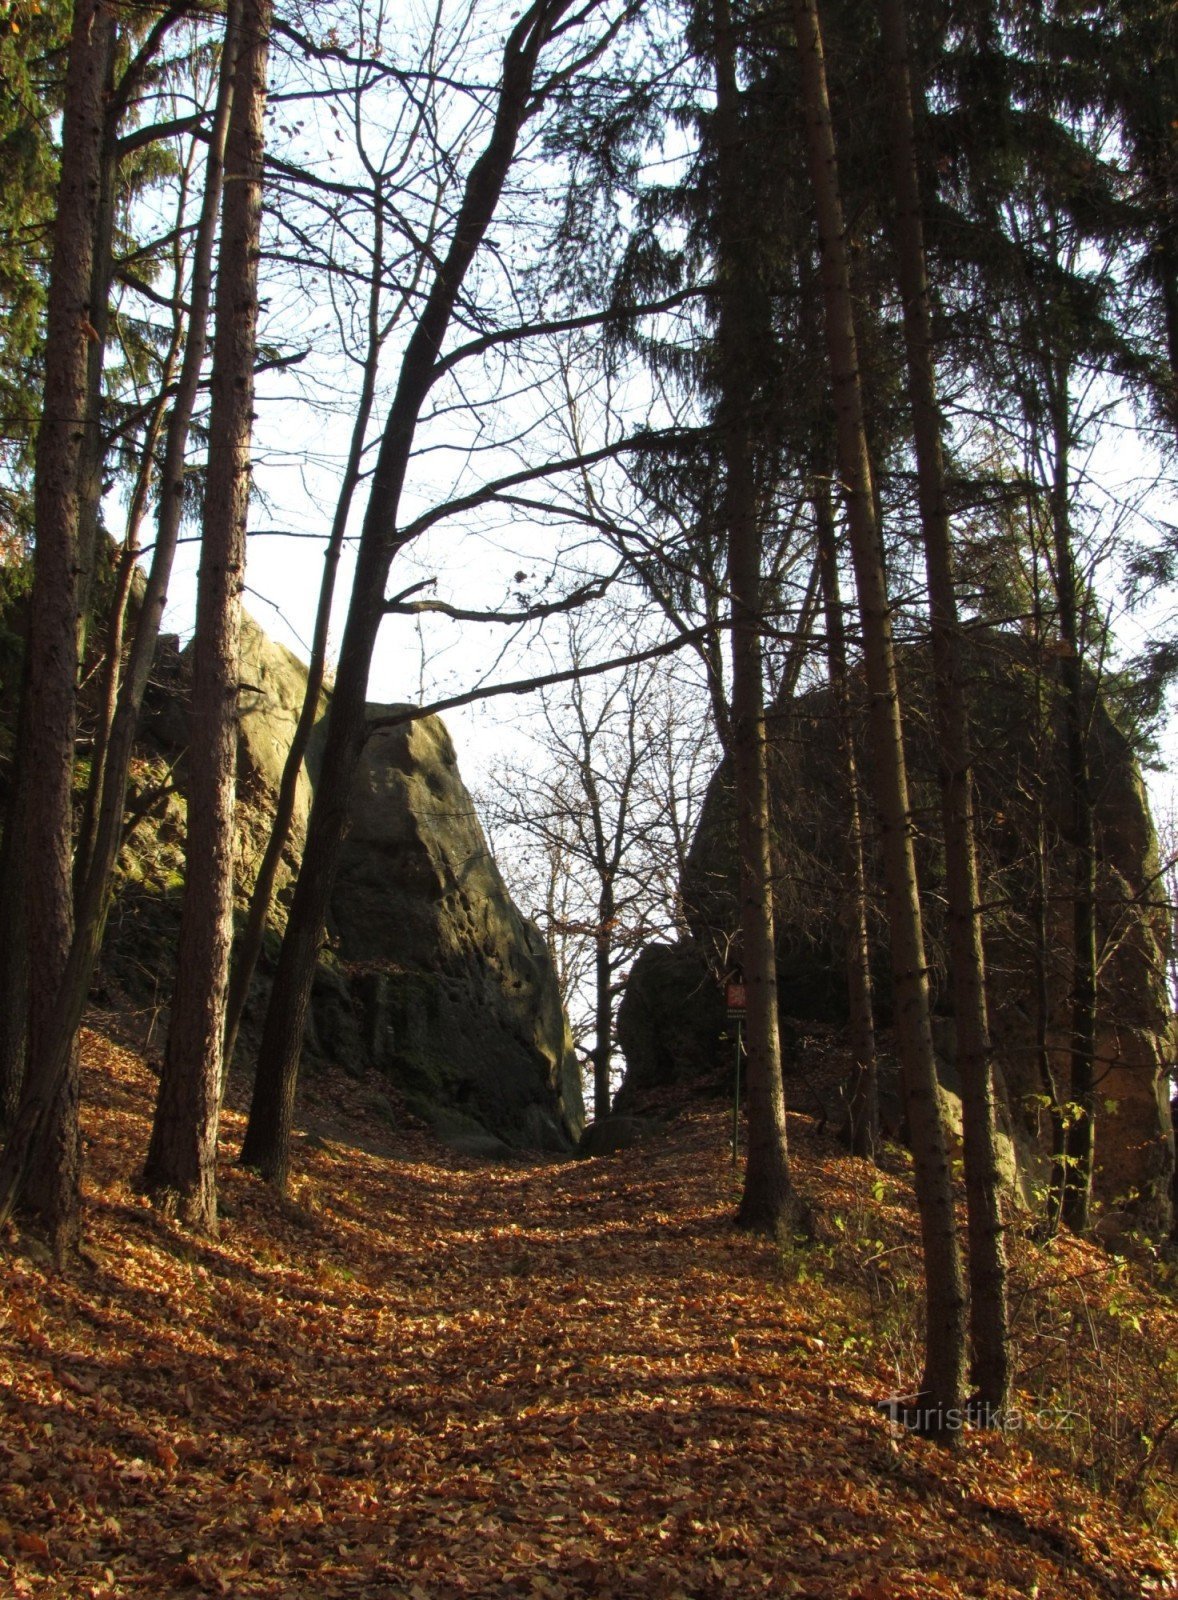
(459, 994)
(270, 698)
(1021, 787)
(272, 682)
(432, 976)
(671, 1022)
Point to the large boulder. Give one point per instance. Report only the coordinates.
(458, 989)
(431, 976)
(671, 1022)
(1021, 787)
(272, 684)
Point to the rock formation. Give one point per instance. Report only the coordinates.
(459, 994)
(1021, 788)
(431, 975)
(671, 1023)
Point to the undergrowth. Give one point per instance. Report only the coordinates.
(1094, 1335)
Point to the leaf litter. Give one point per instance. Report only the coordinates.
(423, 1376)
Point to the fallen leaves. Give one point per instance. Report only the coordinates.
(372, 1396)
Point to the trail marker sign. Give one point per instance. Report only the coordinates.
(734, 999)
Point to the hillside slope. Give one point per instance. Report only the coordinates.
(426, 1377)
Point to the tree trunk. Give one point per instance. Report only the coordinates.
(1058, 1182)
(983, 1182)
(14, 970)
(938, 1410)
(1082, 1093)
(14, 944)
(254, 933)
(603, 1002)
(1037, 912)
(1159, 170)
(93, 452)
(1170, 305)
(94, 893)
(861, 1130)
(267, 1140)
(41, 1163)
(768, 1203)
(181, 1159)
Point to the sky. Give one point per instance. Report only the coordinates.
(491, 422)
(425, 659)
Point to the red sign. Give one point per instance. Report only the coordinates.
(734, 998)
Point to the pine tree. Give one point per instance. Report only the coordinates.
(987, 1255)
(41, 1161)
(181, 1159)
(938, 1408)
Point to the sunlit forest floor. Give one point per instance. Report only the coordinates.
(425, 1376)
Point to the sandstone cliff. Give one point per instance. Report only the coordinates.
(1021, 787)
(430, 977)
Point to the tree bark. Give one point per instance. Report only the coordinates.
(861, 1130)
(253, 935)
(603, 1009)
(181, 1159)
(983, 1182)
(939, 1407)
(1077, 1196)
(41, 1162)
(93, 452)
(768, 1203)
(14, 944)
(267, 1140)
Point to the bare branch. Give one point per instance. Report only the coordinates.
(578, 597)
(398, 719)
(666, 439)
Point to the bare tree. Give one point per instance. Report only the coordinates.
(520, 92)
(596, 830)
(369, 294)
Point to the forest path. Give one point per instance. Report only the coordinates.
(429, 1377)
